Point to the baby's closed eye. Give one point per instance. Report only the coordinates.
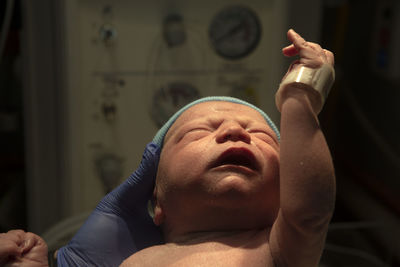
(200, 129)
(263, 135)
(197, 133)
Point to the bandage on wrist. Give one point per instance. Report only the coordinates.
(316, 82)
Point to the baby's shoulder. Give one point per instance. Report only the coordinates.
(147, 256)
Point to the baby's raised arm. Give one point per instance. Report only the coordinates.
(307, 180)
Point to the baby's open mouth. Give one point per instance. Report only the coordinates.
(237, 157)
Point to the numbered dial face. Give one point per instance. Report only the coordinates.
(235, 32)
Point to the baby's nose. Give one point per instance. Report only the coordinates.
(232, 132)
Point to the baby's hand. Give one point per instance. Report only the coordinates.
(311, 54)
(19, 248)
(312, 74)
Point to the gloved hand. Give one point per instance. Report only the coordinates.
(120, 225)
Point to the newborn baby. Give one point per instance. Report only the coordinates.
(229, 193)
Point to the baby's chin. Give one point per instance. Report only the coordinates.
(241, 184)
(232, 184)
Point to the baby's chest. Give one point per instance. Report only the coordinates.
(223, 256)
(205, 254)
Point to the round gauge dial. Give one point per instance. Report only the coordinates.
(235, 32)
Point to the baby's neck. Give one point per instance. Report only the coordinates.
(230, 236)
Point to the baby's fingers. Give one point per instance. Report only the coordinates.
(311, 54)
(9, 246)
(330, 57)
(298, 44)
(290, 51)
(297, 41)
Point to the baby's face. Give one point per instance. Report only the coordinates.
(219, 154)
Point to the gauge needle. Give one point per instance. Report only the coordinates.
(231, 31)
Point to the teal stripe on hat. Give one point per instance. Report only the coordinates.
(159, 137)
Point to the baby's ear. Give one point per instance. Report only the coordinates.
(158, 213)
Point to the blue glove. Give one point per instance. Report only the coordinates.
(120, 225)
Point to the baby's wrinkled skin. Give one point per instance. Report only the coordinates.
(229, 194)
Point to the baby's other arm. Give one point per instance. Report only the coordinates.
(20, 248)
(307, 180)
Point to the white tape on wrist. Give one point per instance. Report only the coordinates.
(315, 81)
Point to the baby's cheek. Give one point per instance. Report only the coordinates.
(270, 150)
(271, 163)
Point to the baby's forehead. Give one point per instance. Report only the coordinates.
(219, 108)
